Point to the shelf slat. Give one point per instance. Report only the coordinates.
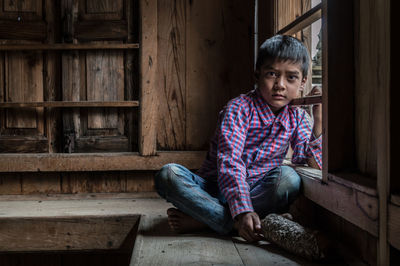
(68, 104)
(68, 46)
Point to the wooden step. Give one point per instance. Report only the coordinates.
(71, 224)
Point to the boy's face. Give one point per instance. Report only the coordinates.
(279, 83)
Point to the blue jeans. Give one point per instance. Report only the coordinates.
(202, 200)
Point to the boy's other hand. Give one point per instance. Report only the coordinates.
(249, 226)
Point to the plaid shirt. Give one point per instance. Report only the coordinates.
(250, 140)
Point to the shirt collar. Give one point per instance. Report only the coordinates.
(266, 114)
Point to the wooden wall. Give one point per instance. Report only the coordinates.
(205, 58)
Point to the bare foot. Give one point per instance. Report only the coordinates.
(182, 223)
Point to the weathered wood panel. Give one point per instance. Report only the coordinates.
(157, 245)
(219, 62)
(171, 133)
(38, 234)
(285, 12)
(24, 83)
(97, 161)
(148, 76)
(96, 76)
(105, 82)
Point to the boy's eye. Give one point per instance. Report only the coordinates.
(270, 74)
(292, 77)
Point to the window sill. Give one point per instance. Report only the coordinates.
(355, 202)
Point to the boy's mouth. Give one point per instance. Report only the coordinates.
(278, 96)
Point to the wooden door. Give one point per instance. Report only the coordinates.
(23, 75)
(97, 75)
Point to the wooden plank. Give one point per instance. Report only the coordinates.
(24, 83)
(393, 224)
(23, 144)
(69, 46)
(382, 94)
(351, 202)
(148, 76)
(211, 81)
(78, 196)
(36, 183)
(102, 144)
(97, 161)
(306, 100)
(51, 77)
(68, 207)
(78, 233)
(10, 183)
(70, 104)
(265, 253)
(101, 30)
(303, 21)
(28, 30)
(104, 82)
(157, 245)
(325, 100)
(171, 132)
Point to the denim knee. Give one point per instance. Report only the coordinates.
(288, 187)
(163, 178)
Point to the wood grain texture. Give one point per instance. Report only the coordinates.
(23, 30)
(24, 83)
(219, 62)
(354, 203)
(171, 133)
(65, 233)
(148, 76)
(157, 245)
(68, 46)
(104, 82)
(394, 225)
(97, 161)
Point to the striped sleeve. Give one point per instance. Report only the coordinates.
(304, 144)
(231, 168)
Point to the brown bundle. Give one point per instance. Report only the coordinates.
(291, 236)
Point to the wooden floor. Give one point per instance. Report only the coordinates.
(155, 244)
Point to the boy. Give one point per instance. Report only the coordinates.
(242, 178)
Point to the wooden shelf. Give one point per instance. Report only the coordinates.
(69, 104)
(68, 46)
(302, 21)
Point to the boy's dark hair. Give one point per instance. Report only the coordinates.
(285, 48)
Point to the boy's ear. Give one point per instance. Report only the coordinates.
(303, 83)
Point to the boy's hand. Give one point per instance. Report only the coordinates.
(317, 112)
(249, 226)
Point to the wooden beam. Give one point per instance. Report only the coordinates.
(68, 46)
(310, 100)
(66, 104)
(394, 224)
(355, 203)
(63, 162)
(148, 74)
(302, 21)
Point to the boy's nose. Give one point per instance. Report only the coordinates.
(280, 82)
